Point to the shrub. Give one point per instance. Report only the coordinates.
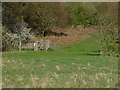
(108, 34)
(20, 34)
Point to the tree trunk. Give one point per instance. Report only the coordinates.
(20, 46)
(44, 34)
(101, 43)
(101, 48)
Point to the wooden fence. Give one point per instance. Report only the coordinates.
(42, 44)
(37, 45)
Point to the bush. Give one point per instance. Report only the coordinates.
(5, 45)
(108, 34)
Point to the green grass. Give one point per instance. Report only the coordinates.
(85, 45)
(72, 68)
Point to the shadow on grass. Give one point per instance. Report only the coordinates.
(27, 49)
(51, 49)
(93, 54)
(89, 53)
(32, 49)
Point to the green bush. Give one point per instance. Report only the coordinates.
(81, 16)
(108, 34)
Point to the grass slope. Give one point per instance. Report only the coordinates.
(85, 45)
(72, 68)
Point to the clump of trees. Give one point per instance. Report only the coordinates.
(81, 15)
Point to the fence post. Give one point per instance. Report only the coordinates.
(36, 46)
(47, 45)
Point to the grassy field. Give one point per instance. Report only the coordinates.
(69, 66)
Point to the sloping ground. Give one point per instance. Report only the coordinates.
(87, 45)
(73, 35)
(56, 69)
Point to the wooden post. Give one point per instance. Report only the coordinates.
(47, 43)
(45, 46)
(36, 46)
(20, 46)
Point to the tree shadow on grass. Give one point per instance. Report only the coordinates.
(27, 49)
(32, 49)
(51, 49)
(93, 54)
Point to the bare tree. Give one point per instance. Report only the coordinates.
(41, 17)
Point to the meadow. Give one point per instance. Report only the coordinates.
(76, 65)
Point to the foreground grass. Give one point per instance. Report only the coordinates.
(72, 68)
